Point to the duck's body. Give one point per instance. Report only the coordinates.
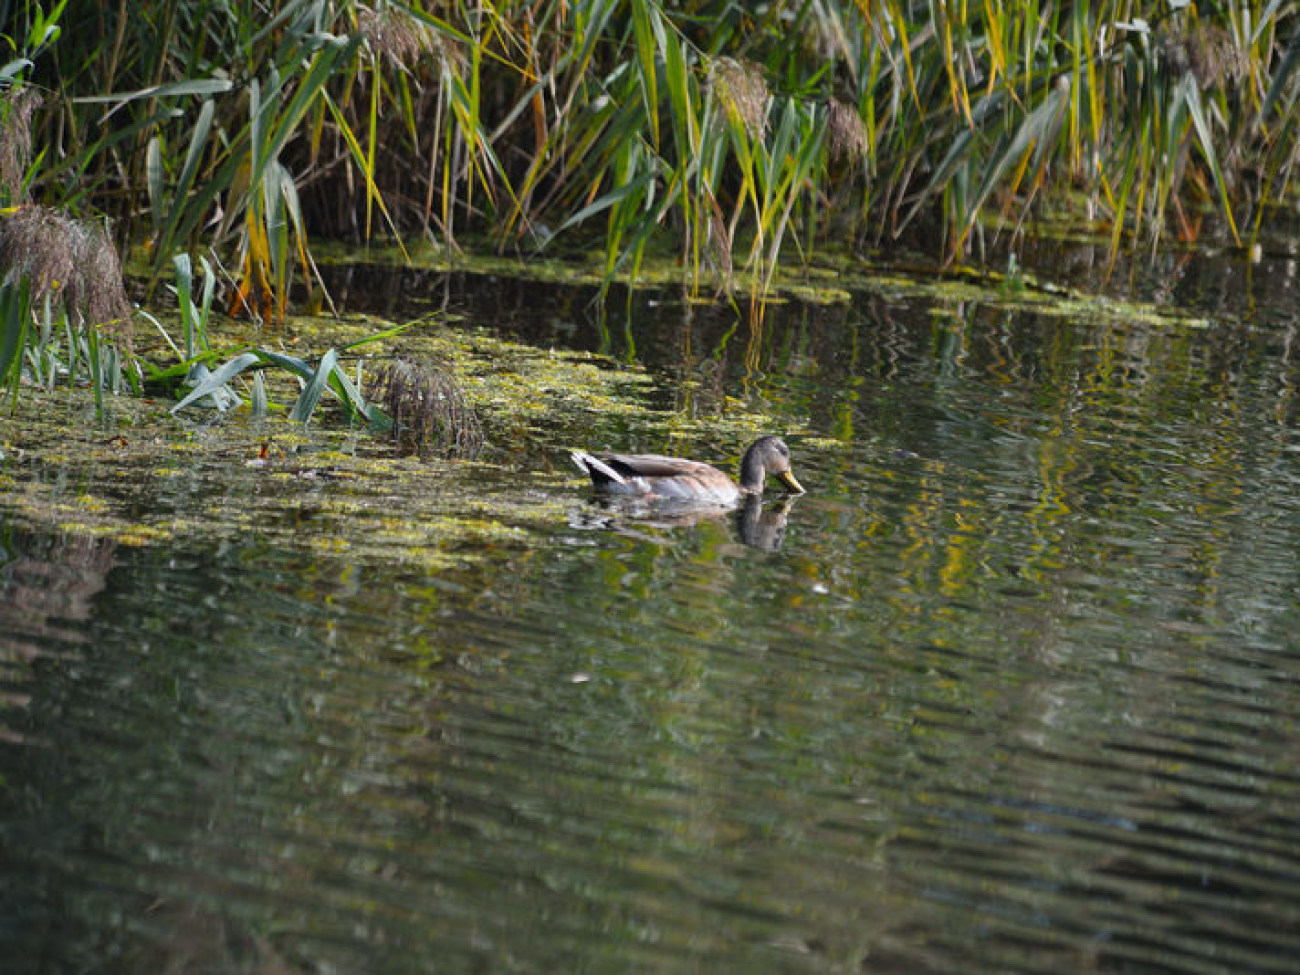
(655, 477)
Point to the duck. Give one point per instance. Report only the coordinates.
(657, 478)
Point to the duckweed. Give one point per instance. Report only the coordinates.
(144, 476)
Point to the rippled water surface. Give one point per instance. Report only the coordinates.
(1014, 687)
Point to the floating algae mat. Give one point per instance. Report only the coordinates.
(834, 275)
(142, 475)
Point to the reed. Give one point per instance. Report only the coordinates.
(744, 138)
(63, 309)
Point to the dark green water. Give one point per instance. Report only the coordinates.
(1017, 690)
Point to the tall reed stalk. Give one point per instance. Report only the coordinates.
(745, 137)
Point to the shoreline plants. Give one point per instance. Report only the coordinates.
(737, 137)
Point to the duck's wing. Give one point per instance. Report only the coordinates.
(598, 469)
(656, 465)
(656, 476)
(676, 479)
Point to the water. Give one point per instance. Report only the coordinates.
(1013, 688)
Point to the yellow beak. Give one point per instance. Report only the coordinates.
(787, 478)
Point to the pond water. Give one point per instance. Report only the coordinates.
(1014, 687)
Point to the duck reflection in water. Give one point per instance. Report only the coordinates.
(758, 525)
(763, 526)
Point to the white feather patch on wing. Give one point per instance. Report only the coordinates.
(587, 463)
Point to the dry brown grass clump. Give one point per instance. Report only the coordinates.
(16, 108)
(429, 410)
(68, 260)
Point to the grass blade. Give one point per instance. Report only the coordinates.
(312, 392)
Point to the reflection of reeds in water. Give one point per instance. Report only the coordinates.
(47, 584)
(65, 259)
(429, 410)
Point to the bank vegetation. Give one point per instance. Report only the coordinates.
(736, 138)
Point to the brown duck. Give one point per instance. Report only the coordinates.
(653, 477)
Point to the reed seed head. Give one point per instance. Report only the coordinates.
(396, 35)
(66, 259)
(17, 105)
(1209, 53)
(743, 93)
(848, 133)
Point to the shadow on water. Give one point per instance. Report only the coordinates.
(1011, 689)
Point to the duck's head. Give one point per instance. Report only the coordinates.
(767, 455)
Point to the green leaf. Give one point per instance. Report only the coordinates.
(259, 404)
(180, 199)
(622, 192)
(1191, 93)
(311, 394)
(154, 180)
(1038, 128)
(1280, 78)
(14, 68)
(295, 365)
(15, 316)
(199, 86)
(685, 124)
(645, 54)
(213, 382)
(184, 286)
(349, 395)
(387, 333)
(308, 88)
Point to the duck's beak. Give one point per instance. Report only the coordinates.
(787, 478)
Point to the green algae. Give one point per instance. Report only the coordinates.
(323, 500)
(831, 276)
(143, 476)
(201, 479)
(814, 283)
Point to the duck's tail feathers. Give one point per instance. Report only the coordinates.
(595, 467)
